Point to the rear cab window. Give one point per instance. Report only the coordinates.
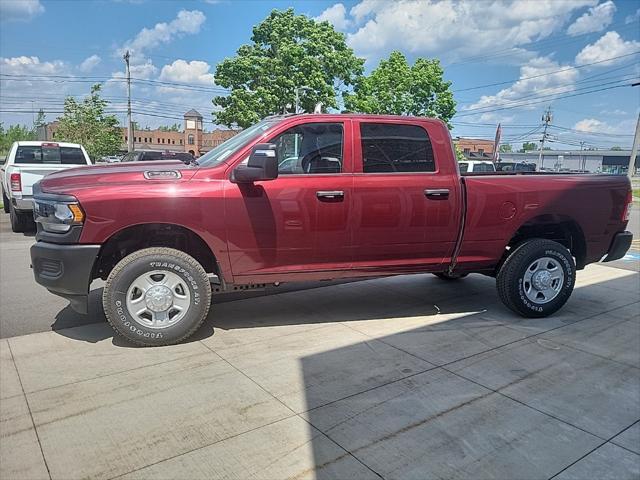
(49, 155)
(396, 148)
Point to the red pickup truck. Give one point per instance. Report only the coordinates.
(315, 197)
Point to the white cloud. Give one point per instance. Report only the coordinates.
(89, 63)
(194, 72)
(608, 46)
(20, 9)
(545, 83)
(455, 29)
(336, 15)
(186, 22)
(592, 125)
(634, 17)
(616, 111)
(594, 20)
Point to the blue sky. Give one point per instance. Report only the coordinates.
(507, 60)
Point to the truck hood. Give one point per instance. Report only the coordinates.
(68, 181)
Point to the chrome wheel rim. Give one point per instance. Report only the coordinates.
(158, 299)
(543, 280)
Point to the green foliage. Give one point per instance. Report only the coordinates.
(14, 133)
(288, 51)
(505, 147)
(527, 147)
(459, 154)
(396, 88)
(87, 123)
(170, 128)
(616, 148)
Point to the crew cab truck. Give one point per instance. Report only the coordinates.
(315, 197)
(27, 163)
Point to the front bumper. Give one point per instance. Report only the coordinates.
(25, 203)
(65, 270)
(619, 246)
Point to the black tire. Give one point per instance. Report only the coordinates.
(19, 221)
(5, 203)
(512, 286)
(130, 268)
(450, 277)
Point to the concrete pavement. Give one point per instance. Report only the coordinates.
(406, 377)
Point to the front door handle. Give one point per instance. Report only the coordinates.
(330, 194)
(437, 194)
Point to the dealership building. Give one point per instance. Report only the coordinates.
(605, 161)
(191, 139)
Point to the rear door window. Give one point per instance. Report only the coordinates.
(49, 155)
(396, 148)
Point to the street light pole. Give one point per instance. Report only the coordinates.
(130, 132)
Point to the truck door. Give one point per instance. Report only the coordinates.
(297, 224)
(406, 204)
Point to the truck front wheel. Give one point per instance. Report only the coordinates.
(157, 296)
(537, 278)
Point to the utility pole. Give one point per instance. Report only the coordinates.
(130, 132)
(583, 161)
(546, 118)
(634, 149)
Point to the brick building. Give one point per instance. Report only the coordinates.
(191, 139)
(475, 148)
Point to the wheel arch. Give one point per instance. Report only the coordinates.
(145, 235)
(560, 228)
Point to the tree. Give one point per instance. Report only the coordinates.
(527, 147)
(87, 123)
(616, 148)
(397, 88)
(287, 52)
(505, 147)
(14, 133)
(173, 128)
(459, 154)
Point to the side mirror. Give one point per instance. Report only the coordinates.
(262, 165)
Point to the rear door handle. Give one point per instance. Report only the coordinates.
(437, 194)
(330, 194)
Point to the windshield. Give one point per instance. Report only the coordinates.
(220, 153)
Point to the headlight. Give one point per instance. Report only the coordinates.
(57, 216)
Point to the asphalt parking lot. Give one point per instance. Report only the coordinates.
(405, 377)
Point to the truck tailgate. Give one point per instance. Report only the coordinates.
(32, 173)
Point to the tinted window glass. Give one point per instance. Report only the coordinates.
(396, 148)
(464, 166)
(310, 148)
(483, 167)
(49, 155)
(71, 155)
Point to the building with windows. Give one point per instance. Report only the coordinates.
(191, 139)
(475, 148)
(594, 161)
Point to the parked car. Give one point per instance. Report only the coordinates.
(153, 155)
(515, 167)
(162, 234)
(475, 166)
(27, 163)
(111, 159)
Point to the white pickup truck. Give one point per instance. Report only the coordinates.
(26, 164)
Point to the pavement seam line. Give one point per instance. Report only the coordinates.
(443, 366)
(26, 400)
(291, 410)
(594, 449)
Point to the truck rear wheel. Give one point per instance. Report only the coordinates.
(157, 296)
(537, 278)
(19, 221)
